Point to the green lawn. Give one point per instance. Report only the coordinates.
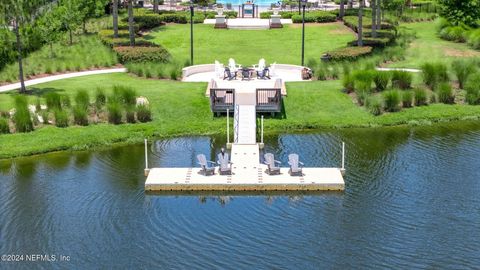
(428, 47)
(182, 109)
(247, 47)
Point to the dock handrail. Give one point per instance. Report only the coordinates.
(236, 124)
(268, 99)
(222, 99)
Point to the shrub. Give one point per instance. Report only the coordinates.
(173, 18)
(321, 73)
(407, 99)
(346, 68)
(4, 127)
(22, 119)
(454, 33)
(374, 105)
(114, 112)
(349, 53)
(45, 118)
(391, 100)
(381, 80)
(53, 101)
(129, 95)
(82, 99)
(100, 98)
(473, 39)
(420, 97)
(61, 118)
(473, 90)
(362, 97)
(130, 114)
(315, 16)
(462, 70)
(38, 106)
(445, 93)
(402, 79)
(148, 21)
(174, 73)
(372, 42)
(144, 114)
(80, 116)
(142, 54)
(348, 83)
(434, 73)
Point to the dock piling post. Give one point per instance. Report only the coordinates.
(229, 145)
(342, 170)
(261, 133)
(147, 170)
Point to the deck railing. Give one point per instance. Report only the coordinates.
(268, 100)
(222, 99)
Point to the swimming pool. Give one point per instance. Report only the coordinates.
(239, 2)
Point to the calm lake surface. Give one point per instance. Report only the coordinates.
(412, 200)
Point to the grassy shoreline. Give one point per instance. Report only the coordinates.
(181, 109)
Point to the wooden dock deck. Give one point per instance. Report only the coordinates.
(247, 180)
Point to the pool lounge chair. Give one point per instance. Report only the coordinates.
(228, 74)
(225, 166)
(206, 169)
(270, 161)
(295, 165)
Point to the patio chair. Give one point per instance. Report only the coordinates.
(264, 74)
(295, 165)
(233, 65)
(228, 74)
(225, 167)
(219, 69)
(206, 169)
(260, 66)
(270, 161)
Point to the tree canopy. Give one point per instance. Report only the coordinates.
(461, 11)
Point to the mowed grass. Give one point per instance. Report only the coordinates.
(182, 109)
(248, 46)
(428, 47)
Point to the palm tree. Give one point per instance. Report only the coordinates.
(360, 23)
(379, 15)
(131, 30)
(115, 18)
(342, 9)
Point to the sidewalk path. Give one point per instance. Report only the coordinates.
(401, 69)
(14, 86)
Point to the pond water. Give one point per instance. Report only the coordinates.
(412, 200)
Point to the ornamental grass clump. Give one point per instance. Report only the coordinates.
(381, 80)
(53, 100)
(445, 94)
(144, 114)
(374, 105)
(4, 127)
(361, 97)
(80, 115)
(61, 118)
(100, 98)
(472, 87)
(434, 74)
(402, 79)
(348, 83)
(114, 112)
(130, 114)
(420, 96)
(391, 100)
(407, 99)
(463, 69)
(22, 118)
(363, 80)
(82, 100)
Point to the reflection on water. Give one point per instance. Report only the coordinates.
(411, 201)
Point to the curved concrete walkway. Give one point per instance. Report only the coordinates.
(413, 70)
(14, 86)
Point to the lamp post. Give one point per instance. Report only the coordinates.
(191, 32)
(304, 3)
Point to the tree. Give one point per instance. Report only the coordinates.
(90, 8)
(115, 18)
(70, 16)
(342, 9)
(50, 27)
(461, 11)
(379, 14)
(373, 5)
(15, 15)
(155, 6)
(350, 4)
(131, 29)
(360, 23)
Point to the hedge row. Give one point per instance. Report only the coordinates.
(316, 16)
(349, 53)
(459, 33)
(106, 36)
(142, 54)
(352, 22)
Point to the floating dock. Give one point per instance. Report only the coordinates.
(248, 172)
